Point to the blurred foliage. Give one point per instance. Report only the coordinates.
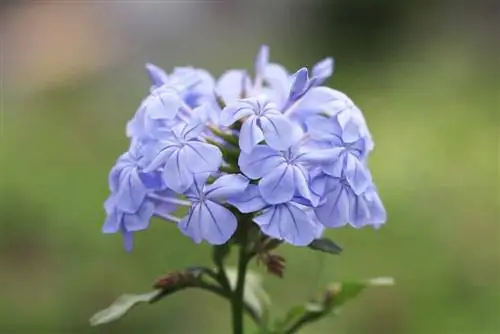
(433, 110)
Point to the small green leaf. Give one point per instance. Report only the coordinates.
(339, 293)
(325, 245)
(120, 307)
(294, 314)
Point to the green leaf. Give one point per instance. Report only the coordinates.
(121, 306)
(325, 245)
(294, 314)
(339, 293)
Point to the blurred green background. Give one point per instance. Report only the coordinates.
(425, 73)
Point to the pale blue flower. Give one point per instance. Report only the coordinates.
(290, 221)
(184, 154)
(208, 219)
(282, 174)
(262, 121)
(341, 204)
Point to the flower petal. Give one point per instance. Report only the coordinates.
(248, 201)
(191, 224)
(301, 180)
(357, 174)
(128, 240)
(323, 69)
(368, 210)
(287, 222)
(232, 84)
(192, 129)
(176, 173)
(279, 132)
(163, 104)
(335, 210)
(300, 81)
(157, 75)
(202, 157)
(260, 162)
(278, 79)
(278, 186)
(235, 112)
(227, 186)
(131, 192)
(218, 224)
(250, 135)
(261, 61)
(140, 220)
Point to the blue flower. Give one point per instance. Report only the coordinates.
(342, 205)
(125, 182)
(305, 147)
(263, 121)
(156, 114)
(284, 174)
(184, 154)
(125, 222)
(290, 221)
(208, 219)
(348, 148)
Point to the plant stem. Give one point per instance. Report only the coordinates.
(238, 295)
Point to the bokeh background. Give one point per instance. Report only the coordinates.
(426, 74)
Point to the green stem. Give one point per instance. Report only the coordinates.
(238, 295)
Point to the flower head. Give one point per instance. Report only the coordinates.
(278, 148)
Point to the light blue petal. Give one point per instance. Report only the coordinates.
(323, 128)
(140, 220)
(157, 75)
(250, 135)
(218, 224)
(113, 216)
(287, 222)
(192, 129)
(227, 186)
(131, 192)
(301, 180)
(128, 240)
(152, 181)
(235, 112)
(279, 132)
(278, 79)
(163, 104)
(161, 157)
(368, 210)
(260, 162)
(248, 201)
(278, 186)
(357, 174)
(335, 211)
(232, 84)
(261, 61)
(351, 132)
(202, 157)
(176, 173)
(191, 224)
(323, 69)
(318, 156)
(300, 81)
(317, 99)
(336, 168)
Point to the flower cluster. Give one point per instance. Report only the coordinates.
(279, 147)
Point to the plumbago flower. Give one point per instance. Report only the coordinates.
(253, 160)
